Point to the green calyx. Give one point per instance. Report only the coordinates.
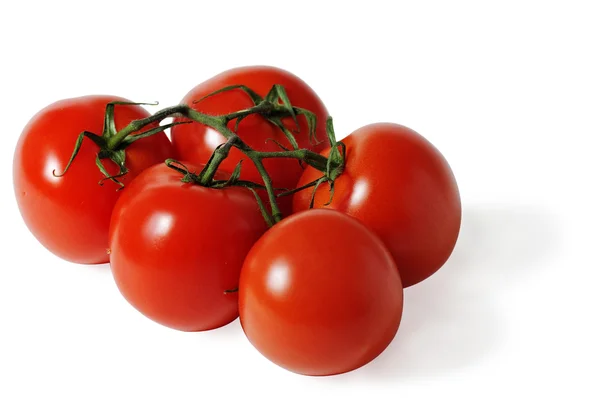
(112, 143)
(334, 167)
(205, 178)
(337, 156)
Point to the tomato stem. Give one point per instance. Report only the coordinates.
(219, 124)
(137, 125)
(274, 107)
(302, 188)
(215, 161)
(263, 108)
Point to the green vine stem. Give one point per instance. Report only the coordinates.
(274, 107)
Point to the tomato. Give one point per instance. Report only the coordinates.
(196, 142)
(177, 247)
(320, 294)
(70, 215)
(401, 187)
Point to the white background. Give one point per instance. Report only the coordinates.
(508, 91)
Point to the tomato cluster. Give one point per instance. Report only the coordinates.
(252, 209)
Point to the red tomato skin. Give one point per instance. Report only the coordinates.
(196, 142)
(402, 188)
(70, 215)
(176, 248)
(320, 294)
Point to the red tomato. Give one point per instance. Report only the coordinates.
(70, 215)
(196, 142)
(177, 247)
(320, 294)
(401, 187)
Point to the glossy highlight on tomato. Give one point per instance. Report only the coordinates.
(176, 248)
(320, 294)
(70, 215)
(402, 188)
(196, 142)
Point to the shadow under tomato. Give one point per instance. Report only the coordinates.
(451, 320)
(99, 268)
